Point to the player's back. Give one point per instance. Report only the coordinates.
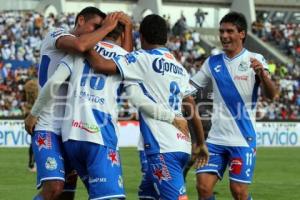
(52, 113)
(91, 113)
(166, 82)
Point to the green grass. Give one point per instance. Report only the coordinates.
(277, 176)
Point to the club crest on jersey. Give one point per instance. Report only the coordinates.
(51, 164)
(113, 157)
(161, 66)
(44, 142)
(243, 66)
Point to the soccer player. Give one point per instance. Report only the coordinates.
(236, 76)
(46, 140)
(90, 129)
(165, 81)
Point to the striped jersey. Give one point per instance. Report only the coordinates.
(91, 109)
(52, 114)
(166, 82)
(235, 92)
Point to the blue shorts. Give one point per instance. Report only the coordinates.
(146, 188)
(99, 167)
(166, 172)
(241, 162)
(49, 156)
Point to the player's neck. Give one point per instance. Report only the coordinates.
(152, 46)
(74, 32)
(232, 54)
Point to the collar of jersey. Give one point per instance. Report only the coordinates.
(157, 51)
(108, 41)
(231, 59)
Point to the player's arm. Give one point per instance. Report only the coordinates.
(266, 83)
(201, 151)
(154, 110)
(48, 92)
(100, 64)
(82, 43)
(127, 44)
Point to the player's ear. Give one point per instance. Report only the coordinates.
(243, 35)
(81, 20)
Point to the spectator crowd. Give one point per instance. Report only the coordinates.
(21, 34)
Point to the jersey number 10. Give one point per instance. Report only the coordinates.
(96, 82)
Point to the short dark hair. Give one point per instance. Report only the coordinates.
(117, 31)
(237, 19)
(90, 12)
(154, 30)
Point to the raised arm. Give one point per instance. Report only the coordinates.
(87, 41)
(154, 110)
(267, 85)
(200, 151)
(46, 94)
(100, 64)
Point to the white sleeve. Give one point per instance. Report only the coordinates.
(51, 87)
(131, 66)
(263, 61)
(147, 106)
(189, 90)
(56, 34)
(202, 78)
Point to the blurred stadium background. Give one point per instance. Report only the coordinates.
(274, 31)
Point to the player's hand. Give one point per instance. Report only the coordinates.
(202, 156)
(30, 123)
(182, 125)
(256, 66)
(111, 20)
(126, 20)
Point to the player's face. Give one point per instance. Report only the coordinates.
(231, 39)
(90, 25)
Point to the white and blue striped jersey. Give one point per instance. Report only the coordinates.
(52, 114)
(235, 92)
(166, 82)
(92, 109)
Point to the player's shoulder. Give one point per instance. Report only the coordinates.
(57, 31)
(255, 55)
(110, 47)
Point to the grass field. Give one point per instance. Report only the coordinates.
(277, 176)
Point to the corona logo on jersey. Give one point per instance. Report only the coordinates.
(44, 141)
(160, 65)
